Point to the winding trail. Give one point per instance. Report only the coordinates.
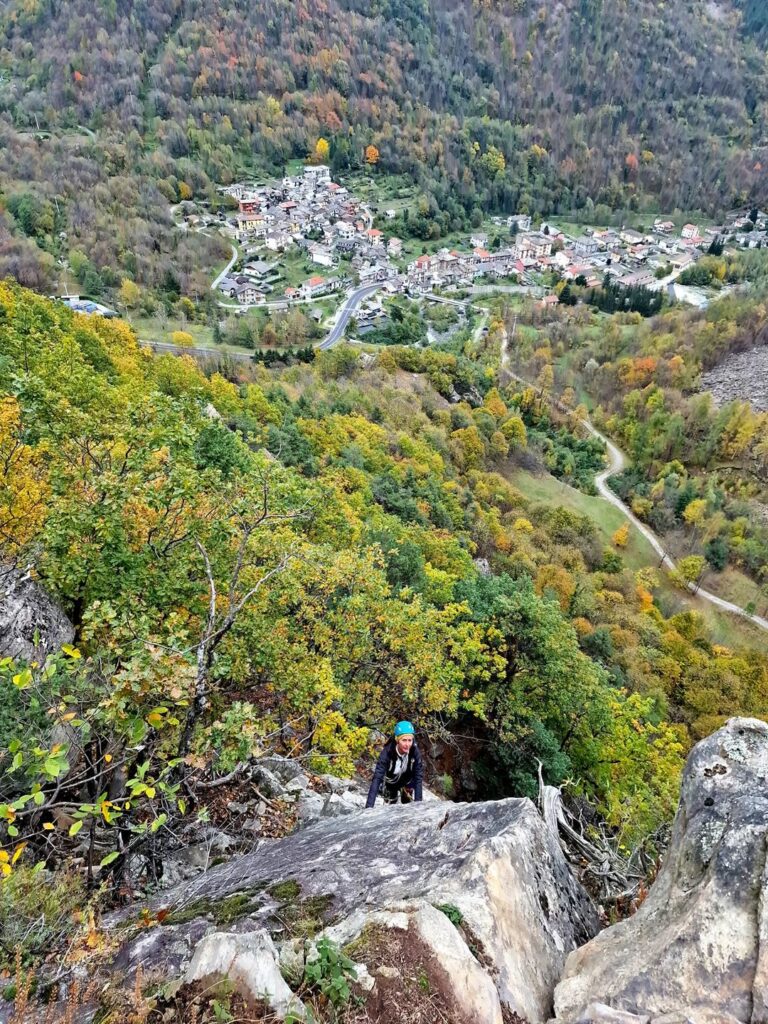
(617, 461)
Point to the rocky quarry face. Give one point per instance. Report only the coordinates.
(477, 905)
(740, 376)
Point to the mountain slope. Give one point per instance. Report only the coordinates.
(486, 105)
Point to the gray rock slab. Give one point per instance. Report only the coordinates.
(496, 862)
(697, 944)
(32, 625)
(250, 962)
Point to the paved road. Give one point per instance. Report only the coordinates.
(478, 332)
(346, 313)
(616, 463)
(226, 270)
(617, 460)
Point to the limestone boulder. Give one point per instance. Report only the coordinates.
(495, 865)
(250, 962)
(697, 949)
(429, 937)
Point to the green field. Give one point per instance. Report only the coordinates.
(547, 490)
(154, 329)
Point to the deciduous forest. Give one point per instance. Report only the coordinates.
(593, 106)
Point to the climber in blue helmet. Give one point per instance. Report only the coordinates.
(399, 769)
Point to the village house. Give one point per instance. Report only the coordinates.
(689, 231)
(668, 245)
(586, 246)
(630, 237)
(575, 270)
(371, 272)
(317, 174)
(644, 278)
(533, 246)
(681, 260)
(480, 260)
(313, 287)
(344, 229)
(478, 240)
(560, 260)
(247, 293)
(395, 247)
(638, 253)
(278, 238)
(260, 269)
(320, 255)
(250, 223)
(664, 227)
(420, 269)
(375, 236)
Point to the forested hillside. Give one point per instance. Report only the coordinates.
(339, 516)
(699, 471)
(521, 106)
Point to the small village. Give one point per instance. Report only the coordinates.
(309, 240)
(330, 229)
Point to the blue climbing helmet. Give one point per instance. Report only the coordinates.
(404, 729)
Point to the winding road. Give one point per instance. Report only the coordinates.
(217, 280)
(617, 461)
(346, 313)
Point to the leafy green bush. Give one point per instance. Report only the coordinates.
(330, 973)
(235, 735)
(452, 912)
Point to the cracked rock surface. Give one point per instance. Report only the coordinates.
(496, 863)
(698, 946)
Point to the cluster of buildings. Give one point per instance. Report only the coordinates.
(322, 218)
(335, 232)
(315, 214)
(638, 258)
(529, 252)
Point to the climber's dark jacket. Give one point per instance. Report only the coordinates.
(412, 777)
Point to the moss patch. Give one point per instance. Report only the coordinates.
(285, 892)
(296, 917)
(223, 911)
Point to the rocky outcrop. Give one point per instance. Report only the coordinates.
(512, 910)
(31, 624)
(697, 949)
(251, 963)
